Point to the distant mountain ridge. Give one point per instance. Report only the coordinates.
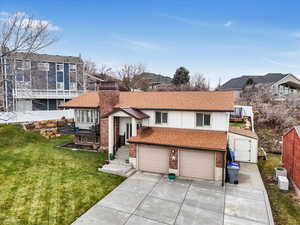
(155, 78)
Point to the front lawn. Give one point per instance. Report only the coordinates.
(41, 184)
(285, 206)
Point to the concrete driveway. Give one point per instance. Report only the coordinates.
(151, 199)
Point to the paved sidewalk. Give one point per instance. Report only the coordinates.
(247, 203)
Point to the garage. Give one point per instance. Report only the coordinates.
(153, 158)
(244, 144)
(197, 164)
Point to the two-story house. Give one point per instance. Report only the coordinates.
(280, 85)
(41, 81)
(166, 132)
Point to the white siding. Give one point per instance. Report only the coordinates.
(187, 119)
(123, 122)
(232, 139)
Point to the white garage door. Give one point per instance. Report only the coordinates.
(197, 164)
(153, 159)
(242, 150)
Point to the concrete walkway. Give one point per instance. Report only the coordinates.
(152, 199)
(247, 203)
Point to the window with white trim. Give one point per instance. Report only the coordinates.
(73, 86)
(60, 67)
(86, 116)
(73, 68)
(203, 119)
(19, 65)
(60, 85)
(161, 117)
(27, 65)
(44, 66)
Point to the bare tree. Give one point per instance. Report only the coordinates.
(128, 74)
(90, 67)
(199, 82)
(105, 70)
(271, 112)
(20, 33)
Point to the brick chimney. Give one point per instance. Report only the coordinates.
(108, 96)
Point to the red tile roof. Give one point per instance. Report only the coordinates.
(243, 132)
(185, 138)
(183, 100)
(86, 100)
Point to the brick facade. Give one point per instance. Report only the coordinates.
(104, 132)
(132, 150)
(173, 159)
(108, 98)
(219, 158)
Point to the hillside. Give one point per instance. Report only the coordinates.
(155, 78)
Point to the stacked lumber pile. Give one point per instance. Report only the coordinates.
(49, 133)
(47, 128)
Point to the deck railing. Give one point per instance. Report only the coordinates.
(70, 128)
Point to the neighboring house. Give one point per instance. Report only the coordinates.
(41, 81)
(291, 154)
(280, 84)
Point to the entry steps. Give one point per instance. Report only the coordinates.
(119, 167)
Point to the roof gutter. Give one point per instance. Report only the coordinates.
(176, 146)
(79, 107)
(170, 109)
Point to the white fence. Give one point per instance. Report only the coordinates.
(32, 116)
(48, 94)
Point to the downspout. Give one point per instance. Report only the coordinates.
(223, 164)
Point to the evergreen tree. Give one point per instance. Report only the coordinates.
(181, 76)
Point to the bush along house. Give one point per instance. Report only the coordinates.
(163, 132)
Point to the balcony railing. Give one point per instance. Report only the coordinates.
(46, 94)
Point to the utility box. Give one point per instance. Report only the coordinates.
(280, 171)
(283, 183)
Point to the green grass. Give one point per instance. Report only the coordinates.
(42, 184)
(238, 124)
(285, 208)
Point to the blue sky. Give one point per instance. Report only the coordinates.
(221, 39)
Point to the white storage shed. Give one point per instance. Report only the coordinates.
(244, 143)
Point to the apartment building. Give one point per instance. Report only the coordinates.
(41, 81)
